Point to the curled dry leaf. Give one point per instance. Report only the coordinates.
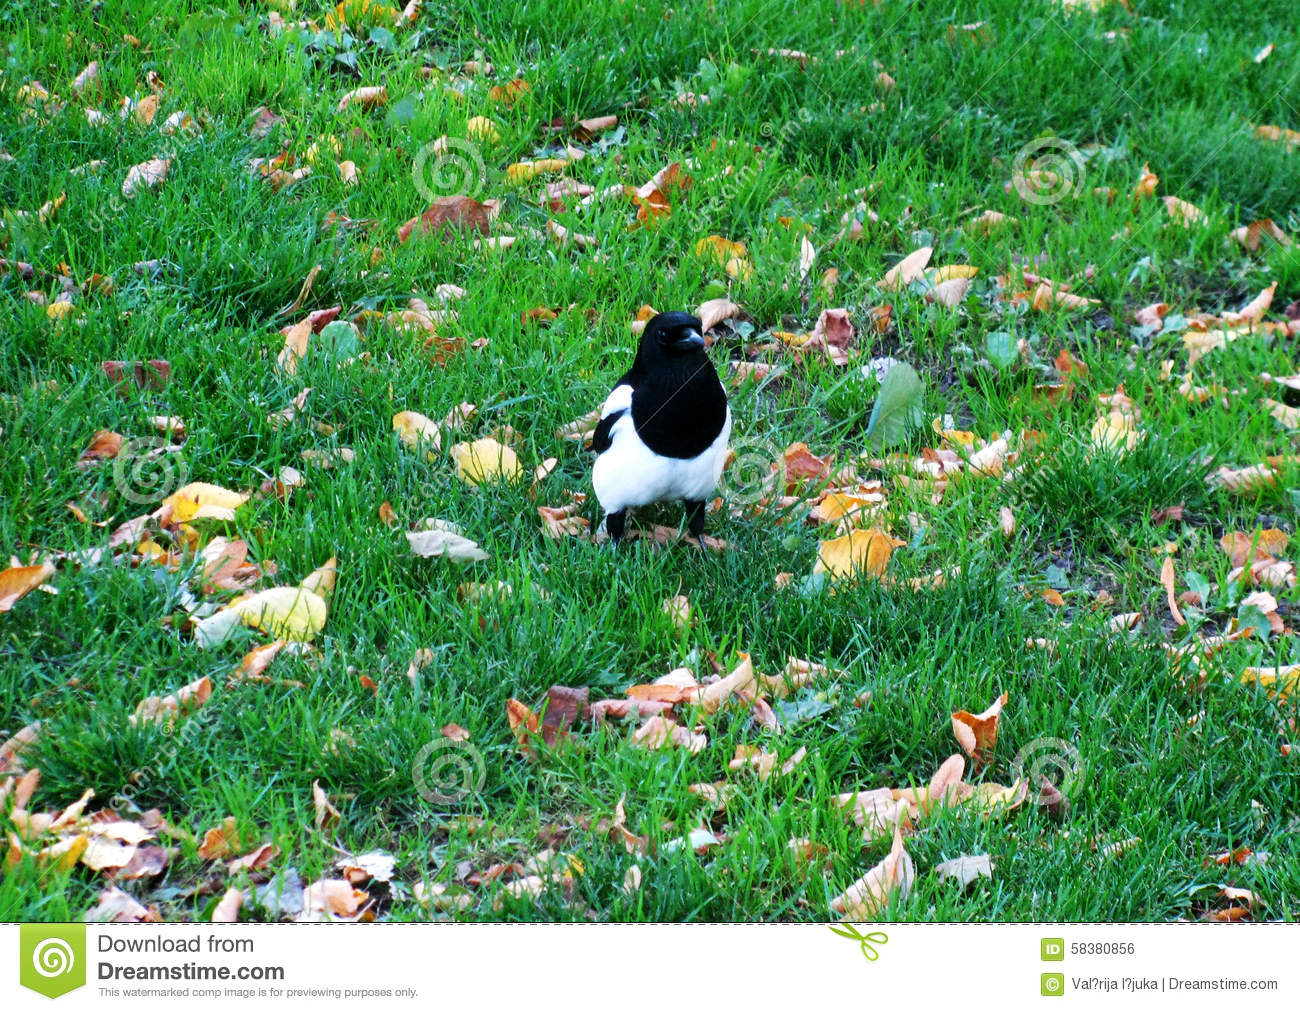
(18, 581)
(563, 521)
(445, 540)
(714, 311)
(145, 176)
(364, 98)
(415, 428)
(163, 709)
(326, 814)
(678, 609)
(967, 869)
(910, 268)
(227, 909)
(977, 734)
(868, 896)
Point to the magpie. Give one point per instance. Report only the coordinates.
(663, 430)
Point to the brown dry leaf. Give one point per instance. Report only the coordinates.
(711, 697)
(118, 907)
(1171, 594)
(966, 869)
(227, 909)
(12, 749)
(254, 860)
(834, 328)
(869, 895)
(1007, 521)
(1250, 236)
(364, 98)
(18, 581)
(563, 521)
(220, 841)
(104, 445)
(145, 176)
(454, 732)
(164, 709)
(977, 734)
(326, 814)
(333, 900)
(714, 311)
(802, 465)
(910, 268)
(386, 513)
(458, 212)
(1245, 480)
(524, 724)
(1254, 310)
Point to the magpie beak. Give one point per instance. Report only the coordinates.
(689, 341)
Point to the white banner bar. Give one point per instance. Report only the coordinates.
(632, 967)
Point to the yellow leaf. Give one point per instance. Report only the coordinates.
(289, 613)
(480, 128)
(1114, 433)
(720, 250)
(201, 501)
(484, 460)
(321, 581)
(938, 275)
(414, 427)
(858, 508)
(843, 558)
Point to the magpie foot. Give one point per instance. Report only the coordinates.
(614, 523)
(695, 519)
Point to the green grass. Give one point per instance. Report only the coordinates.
(1190, 773)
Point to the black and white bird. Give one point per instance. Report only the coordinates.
(663, 431)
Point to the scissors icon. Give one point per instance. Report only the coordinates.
(868, 950)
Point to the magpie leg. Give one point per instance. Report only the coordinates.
(695, 518)
(614, 524)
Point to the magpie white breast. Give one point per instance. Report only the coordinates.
(663, 431)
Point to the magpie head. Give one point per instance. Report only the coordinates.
(672, 336)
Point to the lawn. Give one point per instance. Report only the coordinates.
(1102, 330)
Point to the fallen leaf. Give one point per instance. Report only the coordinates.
(866, 898)
(485, 460)
(145, 176)
(859, 550)
(977, 734)
(966, 870)
(18, 581)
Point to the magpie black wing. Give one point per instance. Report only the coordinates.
(600, 440)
